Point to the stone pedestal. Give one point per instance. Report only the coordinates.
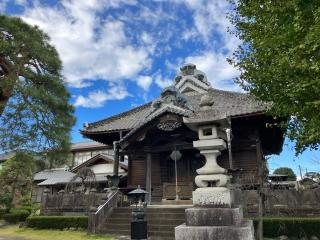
(213, 196)
(213, 216)
(215, 223)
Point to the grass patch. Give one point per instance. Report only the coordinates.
(31, 234)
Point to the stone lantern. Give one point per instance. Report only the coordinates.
(139, 225)
(214, 215)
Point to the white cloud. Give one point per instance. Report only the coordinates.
(219, 72)
(163, 82)
(3, 6)
(21, 2)
(210, 21)
(107, 40)
(96, 99)
(144, 82)
(93, 100)
(90, 47)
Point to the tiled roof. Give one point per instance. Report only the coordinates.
(94, 159)
(53, 176)
(225, 104)
(86, 145)
(123, 121)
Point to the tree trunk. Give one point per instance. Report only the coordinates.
(4, 97)
(6, 72)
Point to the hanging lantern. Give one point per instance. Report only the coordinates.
(175, 155)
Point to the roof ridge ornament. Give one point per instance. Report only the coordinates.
(170, 96)
(191, 79)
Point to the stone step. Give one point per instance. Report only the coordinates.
(166, 216)
(161, 222)
(167, 234)
(116, 231)
(151, 216)
(151, 227)
(174, 222)
(117, 226)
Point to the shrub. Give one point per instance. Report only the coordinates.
(57, 222)
(5, 200)
(16, 215)
(30, 208)
(2, 212)
(291, 227)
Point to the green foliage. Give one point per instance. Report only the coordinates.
(57, 222)
(279, 61)
(5, 199)
(2, 212)
(291, 227)
(33, 208)
(16, 215)
(286, 171)
(17, 176)
(37, 114)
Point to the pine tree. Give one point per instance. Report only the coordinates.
(34, 109)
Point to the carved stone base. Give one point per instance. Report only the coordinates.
(215, 223)
(213, 196)
(243, 232)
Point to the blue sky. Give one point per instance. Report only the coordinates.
(118, 54)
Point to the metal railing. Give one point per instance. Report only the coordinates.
(98, 218)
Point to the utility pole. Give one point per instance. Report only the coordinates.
(300, 172)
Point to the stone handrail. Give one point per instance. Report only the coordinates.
(97, 219)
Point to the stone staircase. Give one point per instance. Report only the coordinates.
(156, 195)
(161, 222)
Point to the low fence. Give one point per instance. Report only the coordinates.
(281, 202)
(70, 203)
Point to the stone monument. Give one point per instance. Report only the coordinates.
(213, 216)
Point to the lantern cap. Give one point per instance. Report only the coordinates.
(138, 191)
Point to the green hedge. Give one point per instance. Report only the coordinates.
(2, 212)
(16, 215)
(291, 227)
(57, 222)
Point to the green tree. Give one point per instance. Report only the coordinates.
(286, 171)
(34, 109)
(279, 61)
(16, 176)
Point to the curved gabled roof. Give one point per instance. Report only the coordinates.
(225, 104)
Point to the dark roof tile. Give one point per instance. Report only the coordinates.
(225, 104)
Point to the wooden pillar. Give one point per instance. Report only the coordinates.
(261, 173)
(116, 159)
(121, 158)
(148, 176)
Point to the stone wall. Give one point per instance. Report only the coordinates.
(64, 204)
(281, 202)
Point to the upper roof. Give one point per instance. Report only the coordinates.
(191, 97)
(225, 104)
